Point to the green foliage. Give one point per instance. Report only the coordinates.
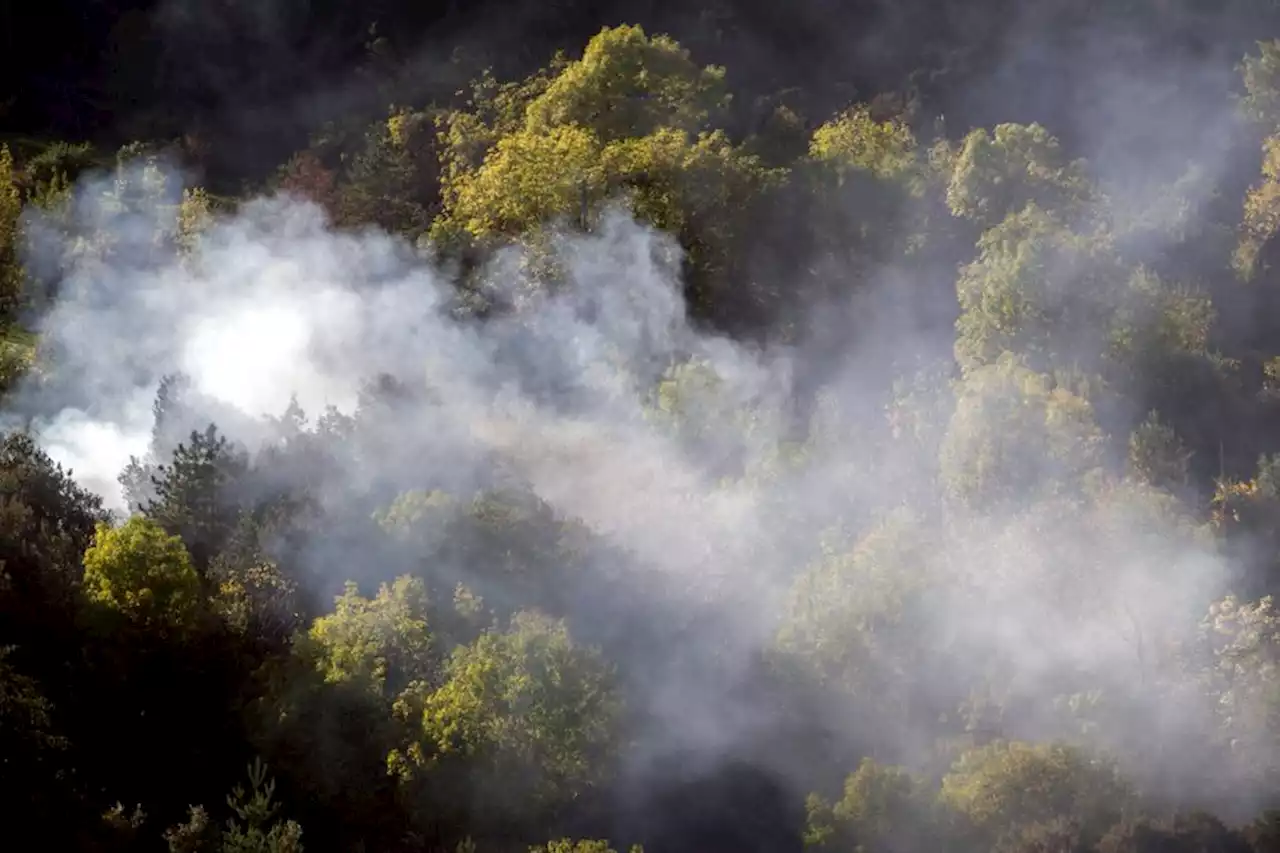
(257, 831)
(144, 573)
(856, 142)
(392, 180)
(382, 645)
(31, 745)
(193, 495)
(941, 545)
(1195, 831)
(527, 179)
(851, 616)
(629, 120)
(1243, 640)
(527, 706)
(1260, 74)
(1157, 455)
(255, 828)
(492, 110)
(882, 809)
(1004, 787)
(58, 164)
(46, 522)
(11, 274)
(1050, 294)
(195, 213)
(257, 600)
(567, 845)
(1016, 432)
(509, 538)
(628, 84)
(999, 173)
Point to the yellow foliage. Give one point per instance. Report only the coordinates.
(383, 644)
(854, 141)
(195, 213)
(998, 173)
(142, 572)
(1261, 211)
(1015, 430)
(527, 179)
(10, 216)
(1006, 785)
(627, 84)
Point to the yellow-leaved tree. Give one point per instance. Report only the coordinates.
(10, 215)
(633, 120)
(143, 573)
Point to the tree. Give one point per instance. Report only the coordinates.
(1005, 787)
(1016, 433)
(853, 621)
(47, 521)
(1243, 644)
(1037, 289)
(568, 845)
(254, 597)
(11, 274)
(503, 545)
(255, 828)
(1245, 515)
(528, 717)
(195, 495)
(34, 772)
(391, 180)
(630, 120)
(1190, 832)
(995, 174)
(628, 85)
(383, 645)
(882, 810)
(868, 181)
(1260, 73)
(1158, 456)
(143, 573)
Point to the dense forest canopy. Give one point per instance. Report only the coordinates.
(487, 427)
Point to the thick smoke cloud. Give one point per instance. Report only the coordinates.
(273, 304)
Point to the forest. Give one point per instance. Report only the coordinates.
(472, 428)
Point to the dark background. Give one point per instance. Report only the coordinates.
(253, 78)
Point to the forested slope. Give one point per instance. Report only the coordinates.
(584, 454)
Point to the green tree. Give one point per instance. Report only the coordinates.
(382, 645)
(1260, 73)
(627, 84)
(530, 715)
(630, 120)
(1157, 456)
(1245, 514)
(144, 573)
(1016, 433)
(852, 619)
(255, 827)
(854, 141)
(11, 274)
(195, 497)
(34, 772)
(501, 545)
(882, 809)
(994, 174)
(1183, 832)
(569, 845)
(1243, 644)
(1005, 787)
(1037, 289)
(47, 521)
